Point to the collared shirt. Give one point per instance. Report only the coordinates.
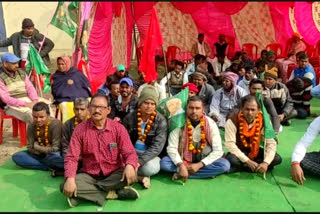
(102, 151)
(306, 141)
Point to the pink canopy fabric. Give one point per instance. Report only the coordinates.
(210, 18)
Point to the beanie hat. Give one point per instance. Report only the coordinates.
(27, 23)
(148, 92)
(273, 72)
(191, 86)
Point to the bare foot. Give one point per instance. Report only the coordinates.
(145, 181)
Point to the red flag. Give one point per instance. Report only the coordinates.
(152, 42)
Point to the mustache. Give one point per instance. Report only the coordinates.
(96, 113)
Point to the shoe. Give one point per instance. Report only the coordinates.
(127, 193)
(72, 202)
(286, 123)
(112, 195)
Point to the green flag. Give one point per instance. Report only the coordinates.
(35, 61)
(84, 40)
(62, 20)
(73, 10)
(268, 128)
(174, 109)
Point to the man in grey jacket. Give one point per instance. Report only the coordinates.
(148, 132)
(21, 42)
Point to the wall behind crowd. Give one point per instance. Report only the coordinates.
(41, 14)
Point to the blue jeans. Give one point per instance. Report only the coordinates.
(315, 91)
(216, 168)
(42, 162)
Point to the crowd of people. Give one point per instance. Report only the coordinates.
(117, 137)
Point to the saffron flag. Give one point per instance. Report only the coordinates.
(268, 128)
(62, 20)
(152, 42)
(174, 108)
(35, 62)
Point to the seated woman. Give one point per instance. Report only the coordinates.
(68, 83)
(225, 98)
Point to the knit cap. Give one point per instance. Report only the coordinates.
(273, 72)
(148, 92)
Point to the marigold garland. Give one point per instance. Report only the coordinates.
(190, 136)
(46, 139)
(143, 137)
(254, 133)
(76, 120)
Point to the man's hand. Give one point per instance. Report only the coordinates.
(281, 117)
(262, 167)
(252, 165)
(130, 174)
(39, 148)
(183, 172)
(70, 187)
(297, 174)
(30, 105)
(194, 167)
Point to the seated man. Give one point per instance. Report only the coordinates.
(81, 113)
(126, 103)
(114, 92)
(43, 142)
(225, 98)
(148, 131)
(201, 47)
(16, 91)
(303, 162)
(257, 84)
(243, 133)
(294, 45)
(206, 91)
(299, 89)
(120, 73)
(279, 94)
(261, 68)
(246, 60)
(105, 87)
(195, 151)
(175, 79)
(193, 90)
(109, 161)
(249, 75)
(304, 69)
(220, 64)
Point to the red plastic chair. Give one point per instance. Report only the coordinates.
(276, 47)
(172, 52)
(251, 49)
(17, 126)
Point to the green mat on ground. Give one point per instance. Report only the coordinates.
(31, 190)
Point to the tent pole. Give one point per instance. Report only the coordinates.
(134, 33)
(78, 36)
(166, 69)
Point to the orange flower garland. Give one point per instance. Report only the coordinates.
(143, 137)
(254, 133)
(46, 139)
(76, 120)
(190, 136)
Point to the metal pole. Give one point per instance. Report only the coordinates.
(134, 33)
(166, 69)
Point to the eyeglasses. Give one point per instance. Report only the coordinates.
(98, 107)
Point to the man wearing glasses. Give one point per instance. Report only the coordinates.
(100, 142)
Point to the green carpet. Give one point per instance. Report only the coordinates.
(30, 190)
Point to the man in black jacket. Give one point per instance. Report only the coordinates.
(22, 40)
(148, 132)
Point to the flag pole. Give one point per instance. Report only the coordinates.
(78, 35)
(166, 69)
(134, 32)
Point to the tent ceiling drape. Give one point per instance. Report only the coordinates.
(181, 21)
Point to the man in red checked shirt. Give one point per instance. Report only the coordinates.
(109, 161)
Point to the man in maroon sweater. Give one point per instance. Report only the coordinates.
(109, 161)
